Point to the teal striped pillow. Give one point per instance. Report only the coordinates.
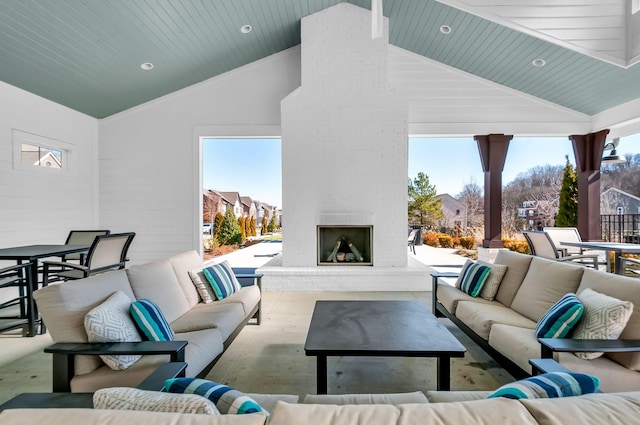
(561, 318)
(226, 399)
(222, 279)
(150, 320)
(473, 277)
(549, 385)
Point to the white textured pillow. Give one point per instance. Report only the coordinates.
(491, 286)
(123, 398)
(202, 285)
(604, 317)
(111, 322)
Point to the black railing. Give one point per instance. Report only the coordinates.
(620, 228)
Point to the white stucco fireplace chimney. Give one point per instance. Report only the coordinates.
(344, 156)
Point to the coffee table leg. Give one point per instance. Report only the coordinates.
(321, 372)
(444, 373)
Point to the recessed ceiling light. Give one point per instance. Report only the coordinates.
(245, 29)
(147, 66)
(539, 63)
(445, 29)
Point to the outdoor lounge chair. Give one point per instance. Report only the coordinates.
(541, 245)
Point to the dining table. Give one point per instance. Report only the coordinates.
(33, 254)
(617, 247)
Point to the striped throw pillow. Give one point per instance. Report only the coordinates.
(226, 399)
(222, 279)
(150, 320)
(561, 318)
(473, 277)
(549, 385)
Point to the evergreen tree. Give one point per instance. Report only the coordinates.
(243, 232)
(247, 226)
(265, 225)
(229, 230)
(252, 226)
(217, 225)
(423, 206)
(273, 225)
(568, 208)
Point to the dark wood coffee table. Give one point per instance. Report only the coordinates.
(379, 328)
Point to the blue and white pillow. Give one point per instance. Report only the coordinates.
(226, 399)
(222, 279)
(549, 385)
(561, 318)
(150, 320)
(472, 278)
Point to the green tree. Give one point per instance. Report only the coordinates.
(568, 208)
(423, 208)
(265, 226)
(273, 225)
(217, 225)
(229, 230)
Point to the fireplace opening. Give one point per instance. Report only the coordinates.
(345, 246)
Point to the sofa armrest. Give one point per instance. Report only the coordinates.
(434, 289)
(155, 381)
(64, 354)
(570, 345)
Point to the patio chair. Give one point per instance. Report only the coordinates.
(107, 252)
(81, 237)
(571, 234)
(541, 245)
(630, 266)
(411, 240)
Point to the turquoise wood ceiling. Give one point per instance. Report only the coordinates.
(86, 54)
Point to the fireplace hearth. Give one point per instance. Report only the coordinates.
(345, 245)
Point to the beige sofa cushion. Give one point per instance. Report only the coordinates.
(248, 296)
(613, 376)
(181, 264)
(63, 307)
(102, 416)
(545, 283)
(623, 288)
(517, 267)
(342, 399)
(586, 409)
(450, 296)
(330, 414)
(477, 412)
(224, 317)
(435, 396)
(481, 316)
(157, 282)
(516, 343)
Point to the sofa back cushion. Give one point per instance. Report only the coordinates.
(622, 288)
(157, 282)
(517, 267)
(181, 264)
(545, 283)
(63, 307)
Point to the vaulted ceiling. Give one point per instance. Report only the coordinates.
(87, 54)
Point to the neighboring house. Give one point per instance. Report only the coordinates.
(232, 200)
(616, 201)
(268, 211)
(455, 213)
(212, 203)
(248, 207)
(539, 214)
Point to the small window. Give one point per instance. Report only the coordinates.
(33, 152)
(457, 212)
(41, 156)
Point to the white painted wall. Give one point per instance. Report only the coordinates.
(149, 157)
(41, 205)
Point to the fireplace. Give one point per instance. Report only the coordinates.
(345, 245)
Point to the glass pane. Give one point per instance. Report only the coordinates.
(41, 156)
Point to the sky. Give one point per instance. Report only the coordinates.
(253, 166)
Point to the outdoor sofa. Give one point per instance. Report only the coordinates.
(506, 326)
(207, 328)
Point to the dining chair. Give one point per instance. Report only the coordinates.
(17, 308)
(630, 266)
(411, 240)
(541, 245)
(107, 252)
(571, 234)
(81, 237)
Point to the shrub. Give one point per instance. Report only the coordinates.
(430, 239)
(516, 245)
(456, 241)
(445, 240)
(467, 242)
